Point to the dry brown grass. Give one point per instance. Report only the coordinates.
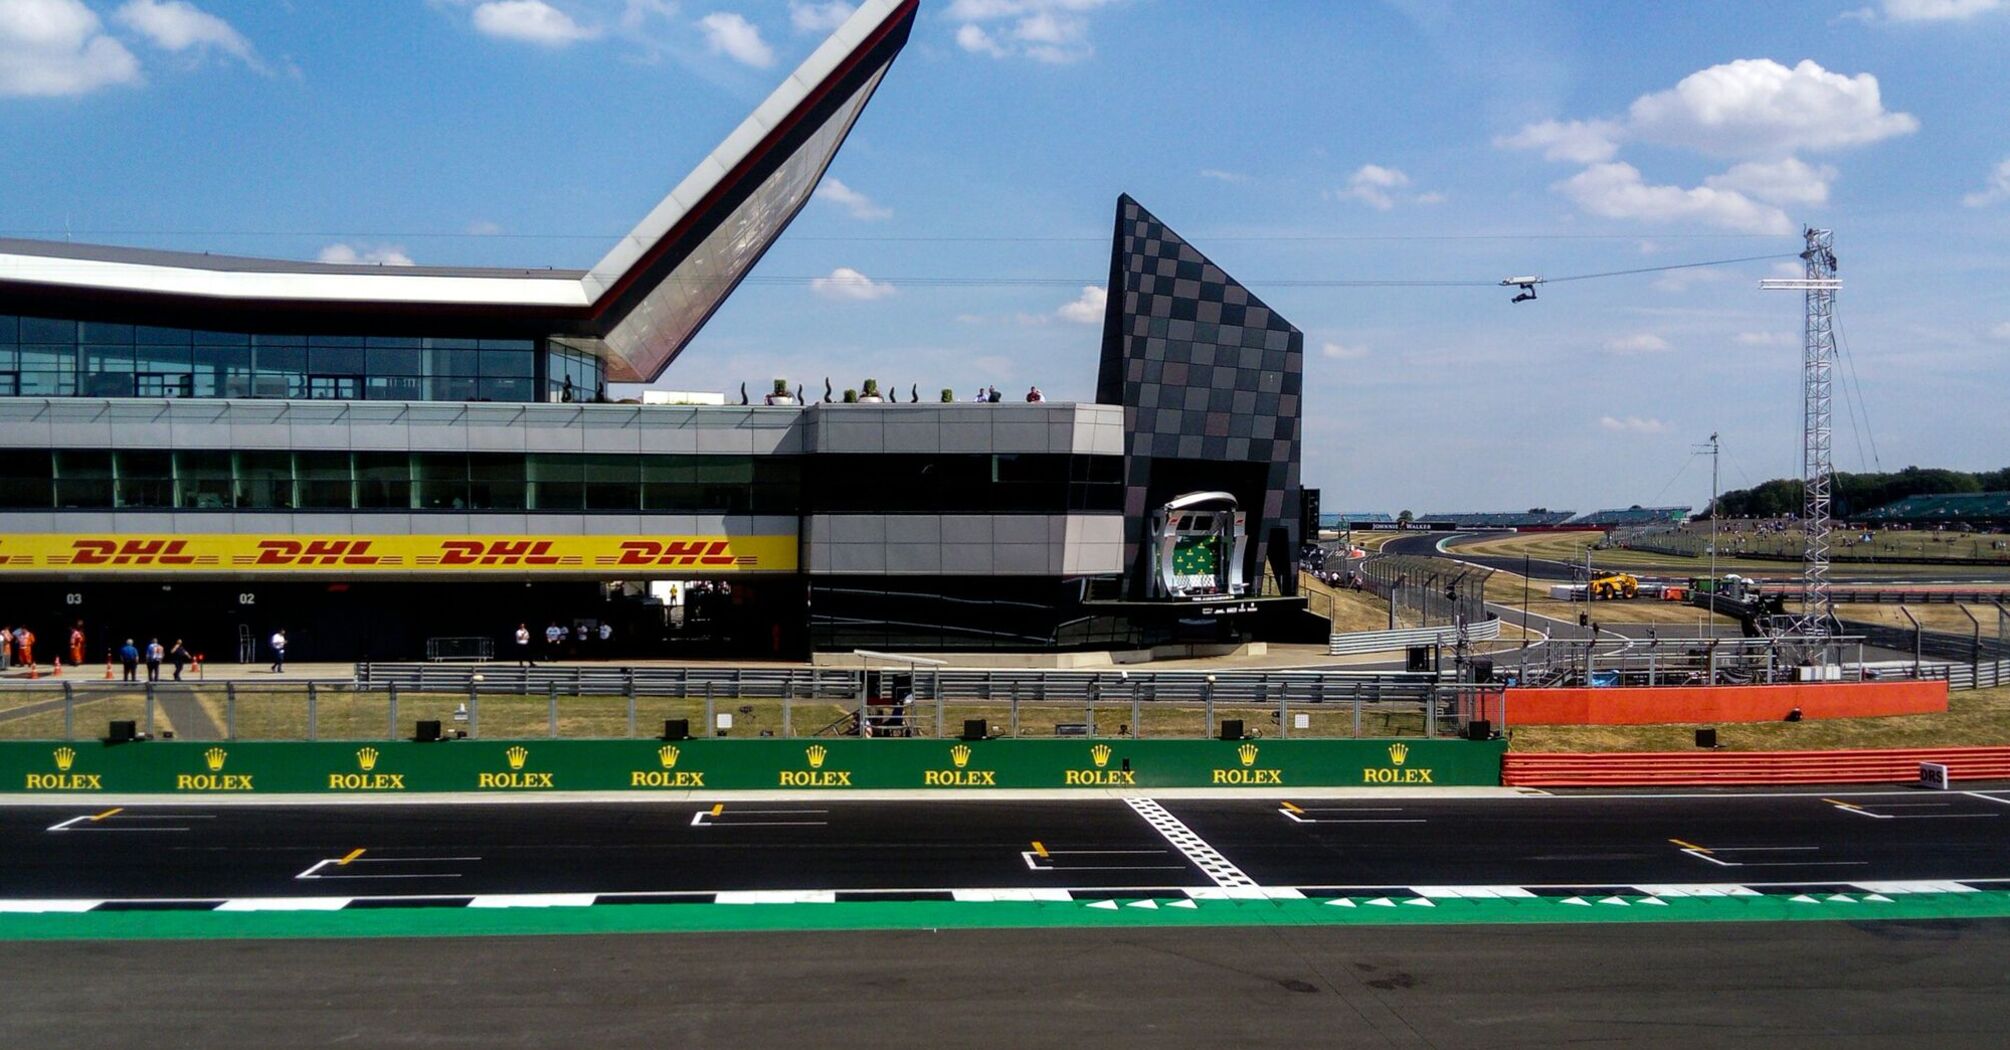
(1349, 610)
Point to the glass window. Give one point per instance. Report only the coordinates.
(395, 388)
(9, 328)
(322, 480)
(509, 344)
(337, 360)
(150, 336)
(335, 388)
(379, 361)
(146, 478)
(336, 340)
(265, 480)
(613, 482)
(670, 483)
(451, 388)
(221, 338)
(83, 478)
(26, 477)
(45, 330)
(105, 334)
(508, 389)
(202, 480)
(499, 363)
(556, 482)
(496, 481)
(440, 480)
(164, 384)
(442, 344)
(222, 371)
(383, 480)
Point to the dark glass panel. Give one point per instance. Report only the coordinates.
(496, 480)
(203, 480)
(265, 480)
(556, 482)
(440, 480)
(322, 479)
(27, 478)
(83, 478)
(383, 480)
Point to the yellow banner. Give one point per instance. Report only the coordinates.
(611, 557)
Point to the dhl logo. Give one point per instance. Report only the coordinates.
(497, 552)
(315, 552)
(130, 552)
(675, 552)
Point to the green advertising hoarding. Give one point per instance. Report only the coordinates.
(531, 766)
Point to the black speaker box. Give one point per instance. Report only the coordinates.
(124, 731)
(1231, 729)
(976, 729)
(1706, 737)
(676, 729)
(1418, 658)
(1479, 729)
(428, 731)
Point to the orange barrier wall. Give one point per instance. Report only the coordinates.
(1723, 703)
(1892, 766)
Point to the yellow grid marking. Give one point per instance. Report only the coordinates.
(1039, 848)
(107, 813)
(1689, 845)
(718, 808)
(1842, 804)
(1291, 807)
(353, 854)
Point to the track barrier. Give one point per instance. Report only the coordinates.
(1738, 703)
(1888, 766)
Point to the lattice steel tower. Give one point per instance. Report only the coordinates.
(1818, 357)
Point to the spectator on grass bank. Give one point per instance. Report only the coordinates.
(129, 658)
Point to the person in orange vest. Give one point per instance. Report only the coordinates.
(6, 647)
(77, 644)
(24, 646)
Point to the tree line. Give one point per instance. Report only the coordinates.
(1859, 493)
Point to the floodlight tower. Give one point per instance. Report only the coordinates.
(1818, 355)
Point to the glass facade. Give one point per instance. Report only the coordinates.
(46, 357)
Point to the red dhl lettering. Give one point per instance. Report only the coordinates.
(675, 552)
(315, 552)
(130, 552)
(499, 552)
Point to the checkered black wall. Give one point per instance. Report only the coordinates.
(1207, 374)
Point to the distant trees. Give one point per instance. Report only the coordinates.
(1857, 493)
(1405, 518)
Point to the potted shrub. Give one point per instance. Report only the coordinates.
(780, 395)
(851, 397)
(948, 396)
(871, 391)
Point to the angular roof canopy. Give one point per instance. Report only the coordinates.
(637, 307)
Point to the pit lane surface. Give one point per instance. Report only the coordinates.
(369, 852)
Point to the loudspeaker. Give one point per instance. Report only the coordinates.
(1483, 670)
(1231, 729)
(122, 732)
(1479, 729)
(976, 729)
(1706, 737)
(1419, 658)
(1308, 515)
(428, 731)
(676, 729)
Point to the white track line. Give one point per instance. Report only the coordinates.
(1205, 857)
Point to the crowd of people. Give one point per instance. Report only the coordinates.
(1329, 566)
(582, 640)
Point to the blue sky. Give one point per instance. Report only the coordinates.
(1299, 144)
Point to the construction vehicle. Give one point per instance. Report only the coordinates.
(1616, 585)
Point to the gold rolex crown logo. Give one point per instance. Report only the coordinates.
(960, 754)
(667, 754)
(366, 759)
(65, 756)
(1246, 754)
(1397, 753)
(1100, 755)
(214, 758)
(517, 756)
(816, 754)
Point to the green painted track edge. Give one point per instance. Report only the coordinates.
(942, 915)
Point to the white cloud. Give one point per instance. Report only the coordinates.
(484, 228)
(1219, 175)
(1997, 188)
(531, 22)
(1758, 107)
(58, 47)
(1088, 307)
(847, 283)
(1051, 31)
(1616, 191)
(819, 17)
(1632, 425)
(858, 204)
(1784, 181)
(738, 39)
(1341, 352)
(351, 255)
(1576, 141)
(2001, 331)
(1766, 339)
(1937, 10)
(179, 26)
(1641, 343)
(1373, 184)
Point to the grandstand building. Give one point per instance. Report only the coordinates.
(1980, 510)
(374, 458)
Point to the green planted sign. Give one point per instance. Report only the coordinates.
(641, 766)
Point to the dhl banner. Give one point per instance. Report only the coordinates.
(606, 556)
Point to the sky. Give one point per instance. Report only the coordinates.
(962, 235)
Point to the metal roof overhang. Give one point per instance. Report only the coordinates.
(812, 109)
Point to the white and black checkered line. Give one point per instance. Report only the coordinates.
(1407, 894)
(1205, 857)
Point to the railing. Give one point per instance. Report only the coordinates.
(460, 648)
(1383, 641)
(751, 703)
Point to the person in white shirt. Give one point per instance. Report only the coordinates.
(553, 637)
(278, 643)
(523, 647)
